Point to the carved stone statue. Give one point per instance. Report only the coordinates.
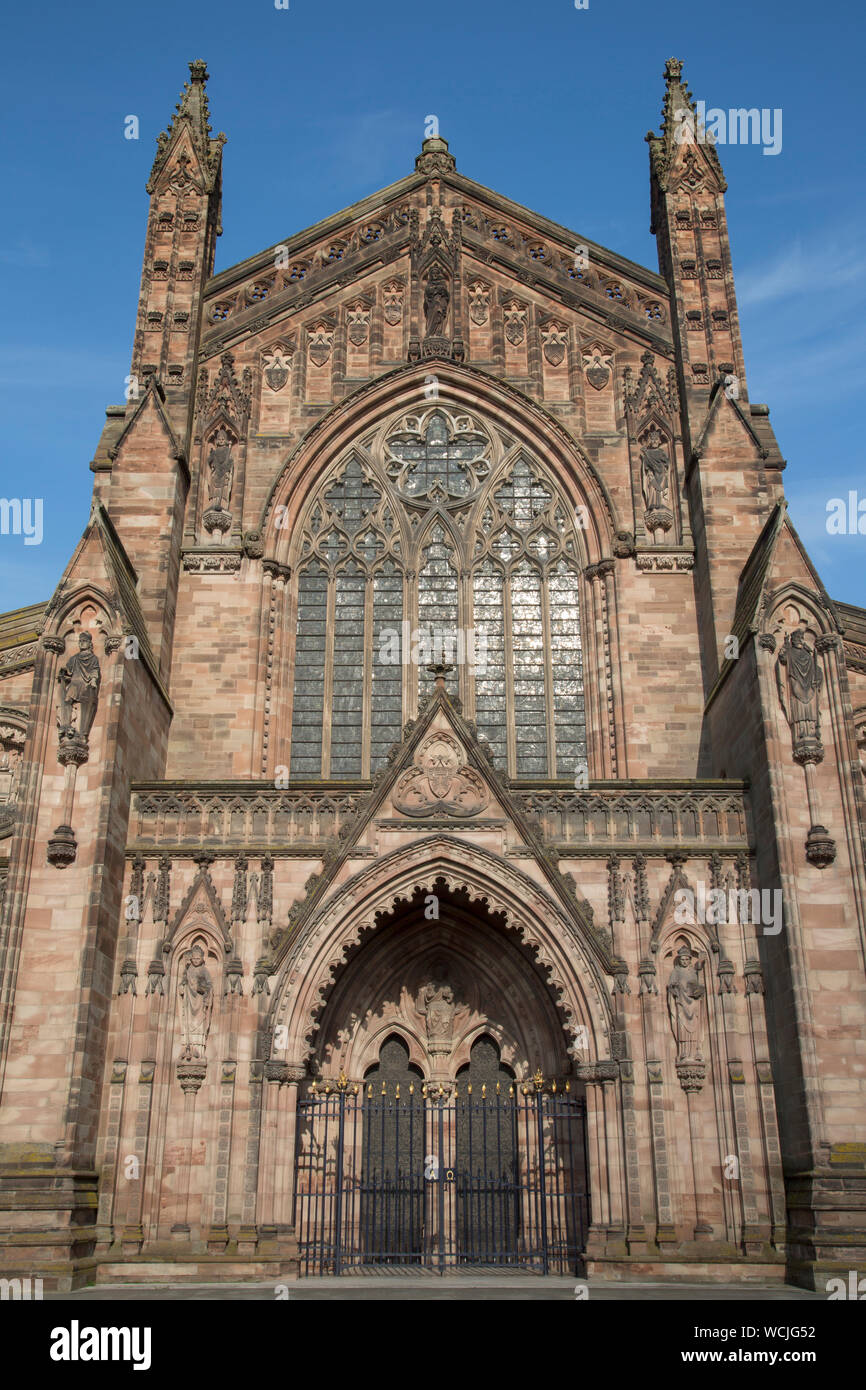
(655, 466)
(436, 299)
(798, 679)
(684, 994)
(221, 473)
(437, 1004)
(79, 682)
(196, 993)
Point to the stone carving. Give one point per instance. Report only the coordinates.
(437, 297)
(321, 339)
(276, 368)
(436, 1004)
(440, 782)
(684, 994)
(392, 297)
(219, 488)
(515, 324)
(358, 321)
(798, 680)
(553, 343)
(79, 682)
(655, 485)
(596, 366)
(479, 302)
(11, 753)
(196, 992)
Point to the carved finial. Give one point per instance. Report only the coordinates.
(439, 670)
(198, 70)
(673, 70)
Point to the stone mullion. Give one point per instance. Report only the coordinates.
(718, 1024)
(547, 648)
(368, 657)
(410, 623)
(267, 591)
(328, 691)
(596, 740)
(508, 648)
(616, 722)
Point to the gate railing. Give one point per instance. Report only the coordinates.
(496, 1178)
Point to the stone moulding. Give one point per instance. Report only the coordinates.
(254, 814)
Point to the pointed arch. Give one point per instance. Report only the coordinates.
(571, 962)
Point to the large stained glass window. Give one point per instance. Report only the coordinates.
(437, 537)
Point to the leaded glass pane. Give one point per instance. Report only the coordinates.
(489, 623)
(386, 716)
(352, 499)
(437, 462)
(569, 713)
(437, 603)
(309, 690)
(347, 707)
(530, 717)
(522, 497)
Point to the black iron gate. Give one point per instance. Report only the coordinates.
(491, 1178)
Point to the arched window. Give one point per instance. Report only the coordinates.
(436, 534)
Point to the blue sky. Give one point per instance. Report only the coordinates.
(323, 104)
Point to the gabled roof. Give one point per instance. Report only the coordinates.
(469, 187)
(21, 625)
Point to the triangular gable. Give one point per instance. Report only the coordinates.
(719, 401)
(100, 559)
(153, 395)
(423, 783)
(201, 898)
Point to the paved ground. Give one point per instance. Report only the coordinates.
(463, 1288)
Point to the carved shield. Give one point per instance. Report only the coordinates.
(320, 348)
(479, 303)
(553, 346)
(359, 322)
(276, 371)
(597, 368)
(393, 303)
(515, 325)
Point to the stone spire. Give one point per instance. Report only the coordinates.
(192, 115)
(679, 121)
(435, 158)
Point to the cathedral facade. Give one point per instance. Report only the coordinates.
(432, 799)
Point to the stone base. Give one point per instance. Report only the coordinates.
(62, 848)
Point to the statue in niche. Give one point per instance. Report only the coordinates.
(798, 680)
(196, 993)
(655, 466)
(221, 472)
(437, 1005)
(436, 300)
(685, 993)
(79, 683)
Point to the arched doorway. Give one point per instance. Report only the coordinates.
(442, 1126)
